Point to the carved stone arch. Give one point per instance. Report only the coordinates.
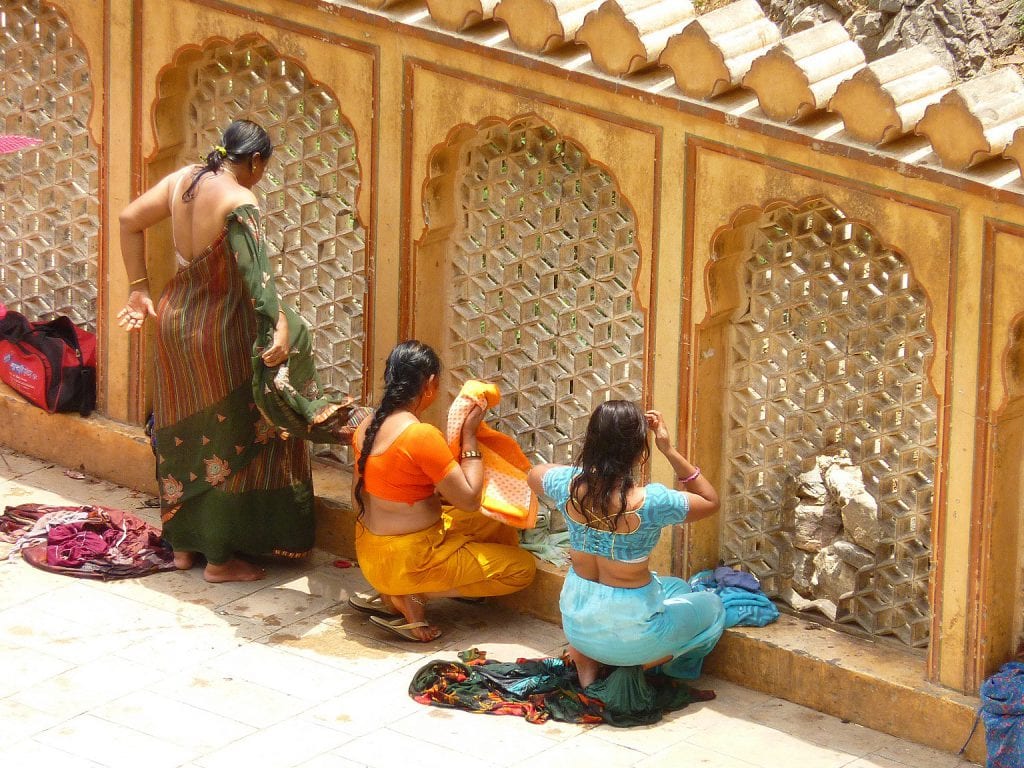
(308, 195)
(533, 249)
(49, 194)
(824, 343)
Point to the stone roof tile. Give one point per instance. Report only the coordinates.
(542, 26)
(458, 15)
(627, 36)
(887, 98)
(799, 75)
(714, 53)
(976, 120)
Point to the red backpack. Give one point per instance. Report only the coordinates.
(52, 364)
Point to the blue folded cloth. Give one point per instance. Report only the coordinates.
(745, 604)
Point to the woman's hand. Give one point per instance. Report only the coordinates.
(277, 352)
(472, 422)
(136, 310)
(656, 423)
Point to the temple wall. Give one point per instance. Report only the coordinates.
(578, 240)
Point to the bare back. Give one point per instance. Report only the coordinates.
(198, 222)
(383, 516)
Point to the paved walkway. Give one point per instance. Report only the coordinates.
(168, 671)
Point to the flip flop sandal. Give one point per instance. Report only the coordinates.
(371, 603)
(404, 631)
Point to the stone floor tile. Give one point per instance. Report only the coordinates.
(584, 750)
(86, 686)
(686, 755)
(29, 752)
(329, 639)
(766, 747)
(651, 739)
(813, 726)
(330, 760)
(13, 464)
(25, 626)
(113, 745)
(245, 702)
(378, 704)
(280, 605)
(504, 739)
(183, 646)
(31, 582)
(906, 753)
(385, 748)
(164, 718)
(288, 673)
(282, 745)
(26, 667)
(23, 722)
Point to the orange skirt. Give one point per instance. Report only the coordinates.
(464, 552)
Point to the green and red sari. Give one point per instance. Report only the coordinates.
(232, 457)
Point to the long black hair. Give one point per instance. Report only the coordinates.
(406, 372)
(616, 442)
(241, 140)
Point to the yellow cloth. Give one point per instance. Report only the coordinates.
(464, 551)
(507, 496)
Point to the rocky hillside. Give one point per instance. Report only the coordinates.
(971, 36)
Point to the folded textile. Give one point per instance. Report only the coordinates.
(507, 496)
(746, 605)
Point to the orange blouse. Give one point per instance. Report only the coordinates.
(411, 467)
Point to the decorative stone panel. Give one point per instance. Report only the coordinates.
(799, 75)
(627, 36)
(887, 98)
(309, 191)
(49, 209)
(714, 53)
(542, 267)
(830, 360)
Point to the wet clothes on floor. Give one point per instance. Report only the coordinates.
(88, 541)
(547, 688)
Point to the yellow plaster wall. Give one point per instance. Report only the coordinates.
(685, 173)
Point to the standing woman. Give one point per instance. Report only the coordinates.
(229, 359)
(615, 610)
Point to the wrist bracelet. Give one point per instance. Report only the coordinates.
(471, 455)
(691, 478)
(136, 282)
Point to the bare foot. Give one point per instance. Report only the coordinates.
(413, 608)
(183, 561)
(233, 570)
(586, 667)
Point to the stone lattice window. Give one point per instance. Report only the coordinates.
(49, 209)
(308, 194)
(831, 355)
(543, 265)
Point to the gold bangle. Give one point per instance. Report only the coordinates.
(471, 455)
(136, 282)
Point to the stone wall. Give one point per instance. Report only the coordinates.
(969, 36)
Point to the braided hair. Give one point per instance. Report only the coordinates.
(615, 443)
(406, 372)
(241, 140)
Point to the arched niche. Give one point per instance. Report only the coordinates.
(525, 276)
(817, 344)
(49, 194)
(308, 195)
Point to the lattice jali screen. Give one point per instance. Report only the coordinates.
(542, 288)
(49, 209)
(308, 195)
(830, 356)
